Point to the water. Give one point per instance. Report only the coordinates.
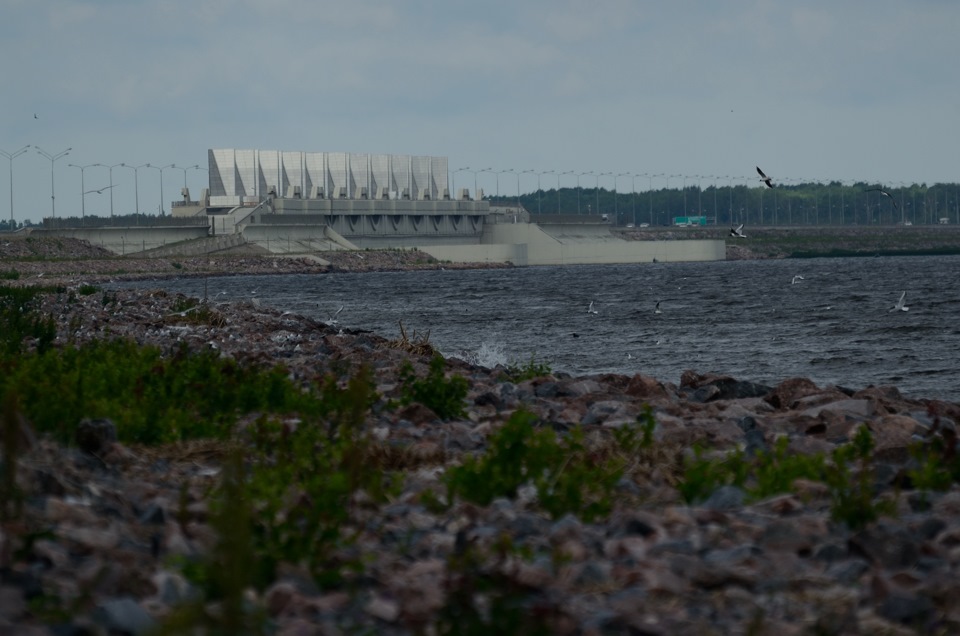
(741, 318)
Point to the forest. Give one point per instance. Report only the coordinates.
(816, 204)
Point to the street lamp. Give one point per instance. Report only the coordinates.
(560, 174)
(580, 174)
(193, 167)
(10, 157)
(498, 173)
(116, 165)
(83, 207)
(518, 184)
(650, 182)
(467, 169)
(53, 159)
(161, 169)
(476, 189)
(616, 212)
(136, 185)
(602, 174)
(540, 190)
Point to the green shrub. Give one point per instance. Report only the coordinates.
(444, 396)
(150, 397)
(527, 371)
(20, 321)
(304, 477)
(567, 478)
(773, 472)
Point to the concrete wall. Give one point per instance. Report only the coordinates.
(527, 244)
(286, 239)
(501, 253)
(130, 240)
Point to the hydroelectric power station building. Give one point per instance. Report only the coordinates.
(291, 202)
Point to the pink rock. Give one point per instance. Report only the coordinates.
(791, 390)
(278, 597)
(648, 388)
(383, 608)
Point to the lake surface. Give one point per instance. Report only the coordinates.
(747, 319)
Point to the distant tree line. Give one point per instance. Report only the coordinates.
(831, 203)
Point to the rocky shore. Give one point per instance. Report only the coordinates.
(101, 524)
(50, 261)
(96, 547)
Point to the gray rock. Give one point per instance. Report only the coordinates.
(725, 498)
(848, 572)
(123, 616)
(906, 608)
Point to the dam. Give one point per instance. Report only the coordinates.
(288, 203)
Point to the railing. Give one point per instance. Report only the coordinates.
(129, 220)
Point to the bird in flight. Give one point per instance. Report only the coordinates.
(591, 310)
(796, 278)
(657, 308)
(899, 304)
(100, 191)
(765, 178)
(738, 231)
(886, 194)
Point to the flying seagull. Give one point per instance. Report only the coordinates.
(100, 191)
(899, 304)
(795, 279)
(765, 178)
(884, 193)
(657, 309)
(591, 310)
(332, 320)
(738, 231)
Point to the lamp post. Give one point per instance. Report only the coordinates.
(161, 169)
(193, 167)
(498, 173)
(616, 209)
(116, 165)
(580, 174)
(540, 190)
(83, 198)
(136, 185)
(467, 169)
(560, 174)
(597, 185)
(487, 170)
(518, 184)
(53, 159)
(650, 194)
(10, 157)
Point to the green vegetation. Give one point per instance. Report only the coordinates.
(570, 476)
(517, 372)
(150, 397)
(833, 204)
(9, 274)
(847, 473)
(302, 466)
(444, 396)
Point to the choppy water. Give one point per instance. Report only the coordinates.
(742, 318)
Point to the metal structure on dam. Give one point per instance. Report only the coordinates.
(369, 200)
(313, 202)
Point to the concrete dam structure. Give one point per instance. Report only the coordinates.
(298, 203)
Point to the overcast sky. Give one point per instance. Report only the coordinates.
(818, 90)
